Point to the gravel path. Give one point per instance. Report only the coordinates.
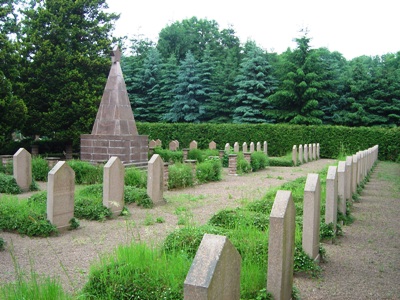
(70, 254)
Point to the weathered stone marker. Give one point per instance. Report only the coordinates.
(113, 185)
(215, 271)
(258, 147)
(22, 169)
(342, 187)
(152, 144)
(314, 151)
(310, 152)
(60, 195)
(193, 145)
(311, 215)
(236, 147)
(173, 146)
(244, 147)
(251, 147)
(305, 153)
(212, 145)
(354, 174)
(227, 148)
(301, 154)
(265, 148)
(155, 179)
(281, 246)
(318, 156)
(349, 177)
(331, 196)
(294, 155)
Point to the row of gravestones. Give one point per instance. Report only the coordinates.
(174, 145)
(61, 185)
(215, 271)
(306, 153)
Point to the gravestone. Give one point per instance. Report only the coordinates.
(314, 151)
(244, 147)
(354, 174)
(236, 147)
(331, 196)
(342, 187)
(349, 177)
(173, 146)
(212, 145)
(232, 164)
(305, 153)
(251, 147)
(114, 131)
(281, 246)
(215, 271)
(294, 155)
(318, 157)
(359, 167)
(258, 146)
(193, 145)
(265, 148)
(155, 179)
(310, 152)
(152, 144)
(177, 144)
(311, 216)
(113, 185)
(227, 148)
(301, 154)
(22, 169)
(60, 195)
(158, 143)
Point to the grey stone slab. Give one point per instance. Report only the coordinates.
(22, 169)
(113, 185)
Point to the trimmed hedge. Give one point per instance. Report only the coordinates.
(280, 137)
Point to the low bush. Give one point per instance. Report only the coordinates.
(259, 161)
(234, 218)
(280, 161)
(180, 176)
(86, 173)
(243, 166)
(40, 169)
(135, 177)
(25, 216)
(209, 170)
(8, 185)
(196, 154)
(89, 204)
(169, 156)
(7, 168)
(138, 196)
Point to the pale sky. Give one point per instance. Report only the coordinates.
(352, 27)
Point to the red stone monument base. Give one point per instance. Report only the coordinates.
(131, 150)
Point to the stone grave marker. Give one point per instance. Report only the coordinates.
(215, 271)
(314, 151)
(113, 185)
(212, 145)
(349, 175)
(265, 148)
(60, 195)
(152, 144)
(318, 157)
(331, 196)
(251, 147)
(310, 156)
(227, 148)
(281, 246)
(236, 147)
(294, 155)
(305, 153)
(22, 169)
(258, 147)
(155, 179)
(173, 146)
(193, 145)
(311, 216)
(158, 143)
(342, 187)
(301, 154)
(354, 174)
(244, 147)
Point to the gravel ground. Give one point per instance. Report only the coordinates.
(363, 264)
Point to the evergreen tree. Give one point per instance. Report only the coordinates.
(254, 84)
(189, 92)
(12, 108)
(66, 49)
(147, 105)
(297, 98)
(169, 78)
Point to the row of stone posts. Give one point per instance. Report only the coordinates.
(215, 271)
(305, 153)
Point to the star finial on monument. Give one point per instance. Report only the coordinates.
(116, 55)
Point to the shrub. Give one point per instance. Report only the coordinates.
(180, 176)
(86, 173)
(196, 154)
(280, 161)
(7, 168)
(8, 185)
(209, 170)
(40, 169)
(234, 218)
(135, 177)
(168, 155)
(138, 196)
(258, 161)
(89, 204)
(243, 166)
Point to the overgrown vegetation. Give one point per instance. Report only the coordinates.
(85, 172)
(8, 185)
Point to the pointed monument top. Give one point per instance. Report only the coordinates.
(116, 55)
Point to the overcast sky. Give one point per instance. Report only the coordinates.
(351, 27)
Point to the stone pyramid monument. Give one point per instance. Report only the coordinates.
(114, 131)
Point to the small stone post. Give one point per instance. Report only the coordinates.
(193, 145)
(152, 144)
(314, 151)
(244, 147)
(158, 143)
(221, 153)
(331, 196)
(349, 177)
(354, 174)
(173, 146)
(113, 185)
(294, 155)
(258, 146)
(301, 154)
(232, 167)
(155, 179)
(281, 246)
(311, 216)
(227, 148)
(251, 147)
(22, 169)
(60, 195)
(212, 145)
(310, 156)
(342, 187)
(318, 157)
(236, 147)
(215, 271)
(265, 148)
(305, 153)
(247, 156)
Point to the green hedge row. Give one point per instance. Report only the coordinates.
(334, 140)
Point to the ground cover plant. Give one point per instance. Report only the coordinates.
(168, 155)
(85, 172)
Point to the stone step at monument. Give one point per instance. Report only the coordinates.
(138, 165)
